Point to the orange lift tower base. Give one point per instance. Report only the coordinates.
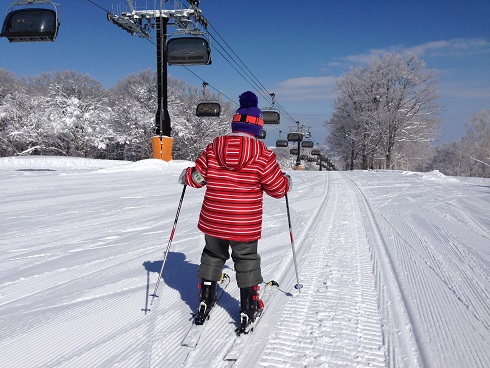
(162, 147)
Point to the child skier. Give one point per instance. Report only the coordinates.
(236, 169)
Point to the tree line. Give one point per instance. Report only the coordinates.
(385, 117)
(66, 113)
(70, 114)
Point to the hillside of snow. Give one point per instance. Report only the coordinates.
(395, 267)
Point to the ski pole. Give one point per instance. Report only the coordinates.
(168, 246)
(298, 285)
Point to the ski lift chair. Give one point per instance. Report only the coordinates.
(31, 24)
(316, 152)
(270, 116)
(193, 50)
(207, 107)
(293, 151)
(281, 143)
(262, 135)
(307, 144)
(295, 137)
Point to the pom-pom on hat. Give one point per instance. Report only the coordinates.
(248, 117)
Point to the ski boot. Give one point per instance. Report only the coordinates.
(207, 299)
(250, 307)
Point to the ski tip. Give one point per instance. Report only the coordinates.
(298, 286)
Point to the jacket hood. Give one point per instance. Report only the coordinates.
(234, 151)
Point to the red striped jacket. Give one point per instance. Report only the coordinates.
(237, 169)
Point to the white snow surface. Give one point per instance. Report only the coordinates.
(395, 267)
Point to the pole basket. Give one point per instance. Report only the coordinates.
(162, 147)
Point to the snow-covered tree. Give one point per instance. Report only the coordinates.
(390, 101)
(470, 155)
(19, 120)
(478, 133)
(133, 102)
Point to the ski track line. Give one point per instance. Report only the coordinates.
(458, 216)
(466, 280)
(110, 342)
(336, 314)
(54, 279)
(461, 292)
(302, 247)
(451, 308)
(84, 340)
(401, 345)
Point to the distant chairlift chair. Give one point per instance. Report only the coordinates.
(207, 107)
(271, 115)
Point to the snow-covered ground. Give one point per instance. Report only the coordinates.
(395, 268)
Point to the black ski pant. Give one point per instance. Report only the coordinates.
(244, 255)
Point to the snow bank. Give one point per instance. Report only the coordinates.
(39, 163)
(54, 163)
(435, 175)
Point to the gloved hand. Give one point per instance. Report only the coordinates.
(290, 181)
(182, 177)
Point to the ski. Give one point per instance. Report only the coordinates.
(194, 334)
(270, 290)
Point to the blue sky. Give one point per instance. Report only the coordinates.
(296, 49)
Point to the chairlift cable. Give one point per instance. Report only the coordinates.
(97, 5)
(202, 80)
(241, 61)
(257, 85)
(260, 87)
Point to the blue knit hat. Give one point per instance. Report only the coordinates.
(248, 117)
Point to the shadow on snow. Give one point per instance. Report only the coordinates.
(181, 275)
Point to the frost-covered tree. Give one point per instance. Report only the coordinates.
(78, 110)
(392, 100)
(19, 120)
(470, 155)
(478, 133)
(407, 101)
(451, 159)
(133, 102)
(349, 133)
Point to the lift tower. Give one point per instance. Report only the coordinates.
(188, 45)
